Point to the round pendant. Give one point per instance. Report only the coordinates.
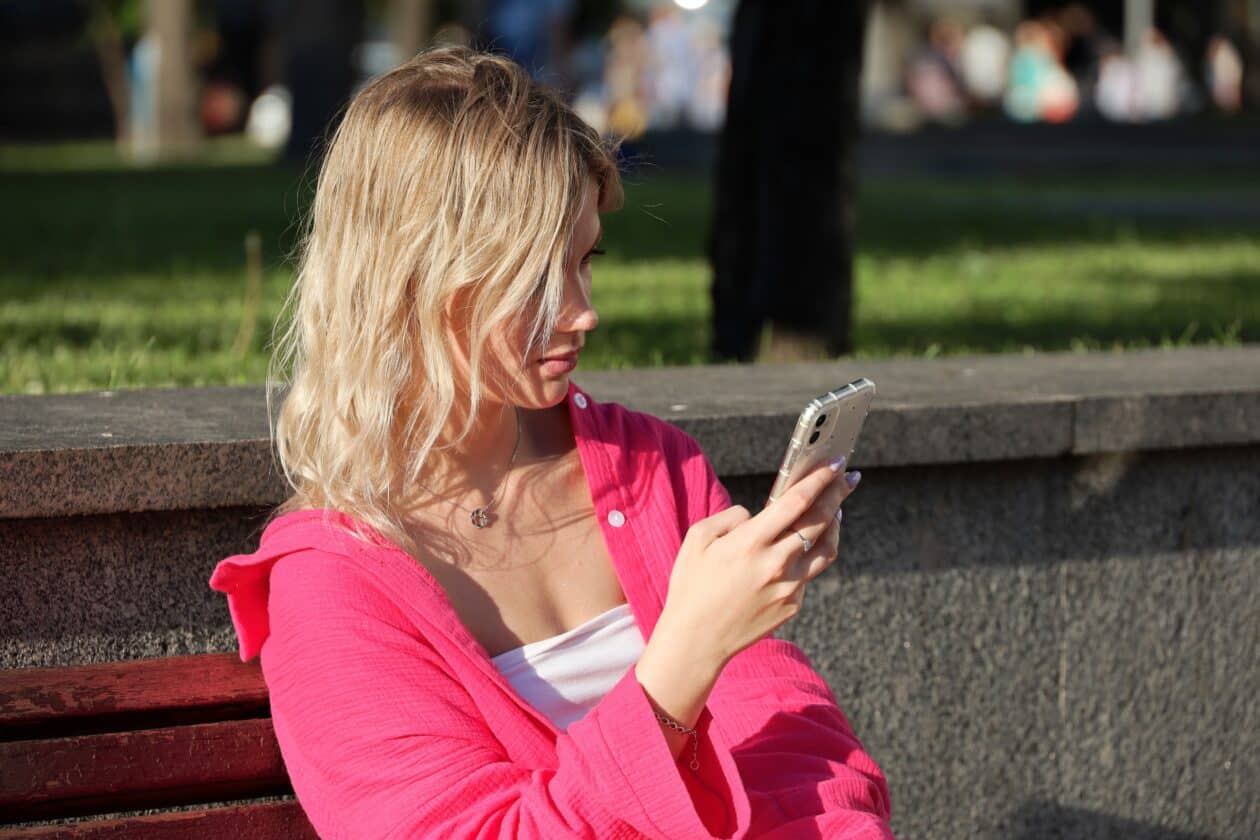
(479, 518)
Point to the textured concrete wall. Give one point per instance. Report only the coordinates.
(1055, 648)
(1042, 623)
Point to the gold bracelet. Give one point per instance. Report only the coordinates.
(669, 721)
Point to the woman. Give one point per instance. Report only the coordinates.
(495, 606)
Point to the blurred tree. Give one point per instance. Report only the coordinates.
(411, 25)
(170, 23)
(781, 243)
(111, 26)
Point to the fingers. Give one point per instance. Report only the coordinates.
(778, 516)
(825, 552)
(710, 528)
(838, 491)
(815, 521)
(803, 566)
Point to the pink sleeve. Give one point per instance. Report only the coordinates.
(380, 740)
(803, 767)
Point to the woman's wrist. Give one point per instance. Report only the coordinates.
(682, 649)
(677, 681)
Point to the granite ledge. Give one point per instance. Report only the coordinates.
(186, 448)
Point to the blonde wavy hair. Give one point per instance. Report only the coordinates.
(454, 172)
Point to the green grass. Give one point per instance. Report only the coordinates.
(118, 277)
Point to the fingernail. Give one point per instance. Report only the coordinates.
(853, 478)
(839, 513)
(837, 464)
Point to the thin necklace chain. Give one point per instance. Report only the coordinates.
(480, 516)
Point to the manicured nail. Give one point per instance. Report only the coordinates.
(839, 513)
(837, 464)
(853, 478)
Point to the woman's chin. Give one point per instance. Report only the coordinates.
(546, 392)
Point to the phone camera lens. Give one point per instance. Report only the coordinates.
(813, 437)
(821, 419)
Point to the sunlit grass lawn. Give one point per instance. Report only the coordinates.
(117, 278)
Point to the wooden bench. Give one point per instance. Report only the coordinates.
(91, 741)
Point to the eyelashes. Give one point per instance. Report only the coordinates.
(594, 252)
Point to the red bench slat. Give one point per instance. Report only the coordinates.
(262, 819)
(142, 769)
(81, 699)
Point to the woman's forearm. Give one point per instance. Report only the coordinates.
(677, 680)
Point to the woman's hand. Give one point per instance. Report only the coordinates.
(739, 577)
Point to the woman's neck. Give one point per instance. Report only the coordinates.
(480, 464)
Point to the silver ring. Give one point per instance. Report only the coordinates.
(804, 539)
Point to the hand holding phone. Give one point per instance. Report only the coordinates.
(827, 428)
(738, 577)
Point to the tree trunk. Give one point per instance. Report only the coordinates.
(411, 25)
(781, 243)
(171, 23)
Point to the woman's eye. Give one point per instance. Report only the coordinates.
(594, 252)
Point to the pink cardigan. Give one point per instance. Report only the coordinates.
(393, 722)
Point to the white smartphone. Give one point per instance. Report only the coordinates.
(828, 427)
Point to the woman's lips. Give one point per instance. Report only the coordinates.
(557, 365)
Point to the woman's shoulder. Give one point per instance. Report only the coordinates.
(312, 547)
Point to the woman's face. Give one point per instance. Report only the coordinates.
(544, 379)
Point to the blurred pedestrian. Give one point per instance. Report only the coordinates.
(933, 76)
(1224, 72)
(986, 52)
(1159, 77)
(1115, 95)
(535, 33)
(1039, 88)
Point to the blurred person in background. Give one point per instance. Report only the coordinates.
(668, 73)
(586, 62)
(934, 75)
(1159, 77)
(1040, 88)
(1149, 86)
(1224, 72)
(628, 54)
(706, 106)
(983, 62)
(1115, 94)
(535, 34)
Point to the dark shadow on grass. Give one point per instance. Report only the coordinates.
(104, 223)
(108, 222)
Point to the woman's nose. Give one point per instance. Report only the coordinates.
(580, 315)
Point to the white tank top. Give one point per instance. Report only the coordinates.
(564, 676)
